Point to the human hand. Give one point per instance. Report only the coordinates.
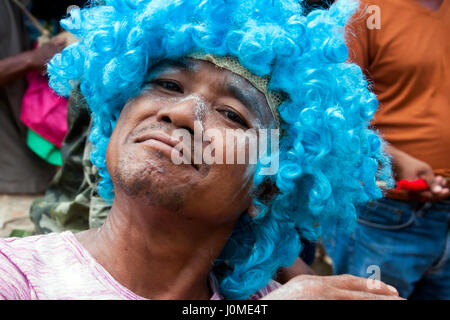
(409, 168)
(341, 287)
(41, 55)
(438, 190)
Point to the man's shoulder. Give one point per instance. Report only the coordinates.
(26, 252)
(30, 243)
(20, 260)
(47, 266)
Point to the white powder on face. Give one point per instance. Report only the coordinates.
(200, 108)
(200, 111)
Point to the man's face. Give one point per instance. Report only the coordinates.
(191, 95)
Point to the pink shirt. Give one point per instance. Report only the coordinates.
(57, 267)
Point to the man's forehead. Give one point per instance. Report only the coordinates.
(183, 63)
(194, 65)
(168, 66)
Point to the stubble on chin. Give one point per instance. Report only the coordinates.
(148, 183)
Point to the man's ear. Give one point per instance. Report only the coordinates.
(252, 211)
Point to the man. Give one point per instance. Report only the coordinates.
(23, 175)
(199, 230)
(72, 203)
(403, 46)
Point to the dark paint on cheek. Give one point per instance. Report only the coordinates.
(253, 99)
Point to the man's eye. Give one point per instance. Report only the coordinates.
(233, 116)
(169, 85)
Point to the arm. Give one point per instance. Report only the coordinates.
(12, 68)
(342, 287)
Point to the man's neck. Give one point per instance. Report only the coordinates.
(156, 254)
(433, 5)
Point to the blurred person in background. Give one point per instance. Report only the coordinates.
(403, 46)
(23, 175)
(32, 116)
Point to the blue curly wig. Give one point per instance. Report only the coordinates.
(329, 157)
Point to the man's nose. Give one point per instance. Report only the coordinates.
(184, 113)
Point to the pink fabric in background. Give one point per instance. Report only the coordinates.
(43, 111)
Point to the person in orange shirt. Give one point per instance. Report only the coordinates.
(403, 47)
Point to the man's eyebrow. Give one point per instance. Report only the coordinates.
(177, 64)
(250, 101)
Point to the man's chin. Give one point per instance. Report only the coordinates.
(155, 193)
(152, 178)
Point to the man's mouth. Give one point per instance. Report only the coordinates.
(167, 145)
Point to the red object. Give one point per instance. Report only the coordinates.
(415, 185)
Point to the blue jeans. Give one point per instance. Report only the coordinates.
(408, 243)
